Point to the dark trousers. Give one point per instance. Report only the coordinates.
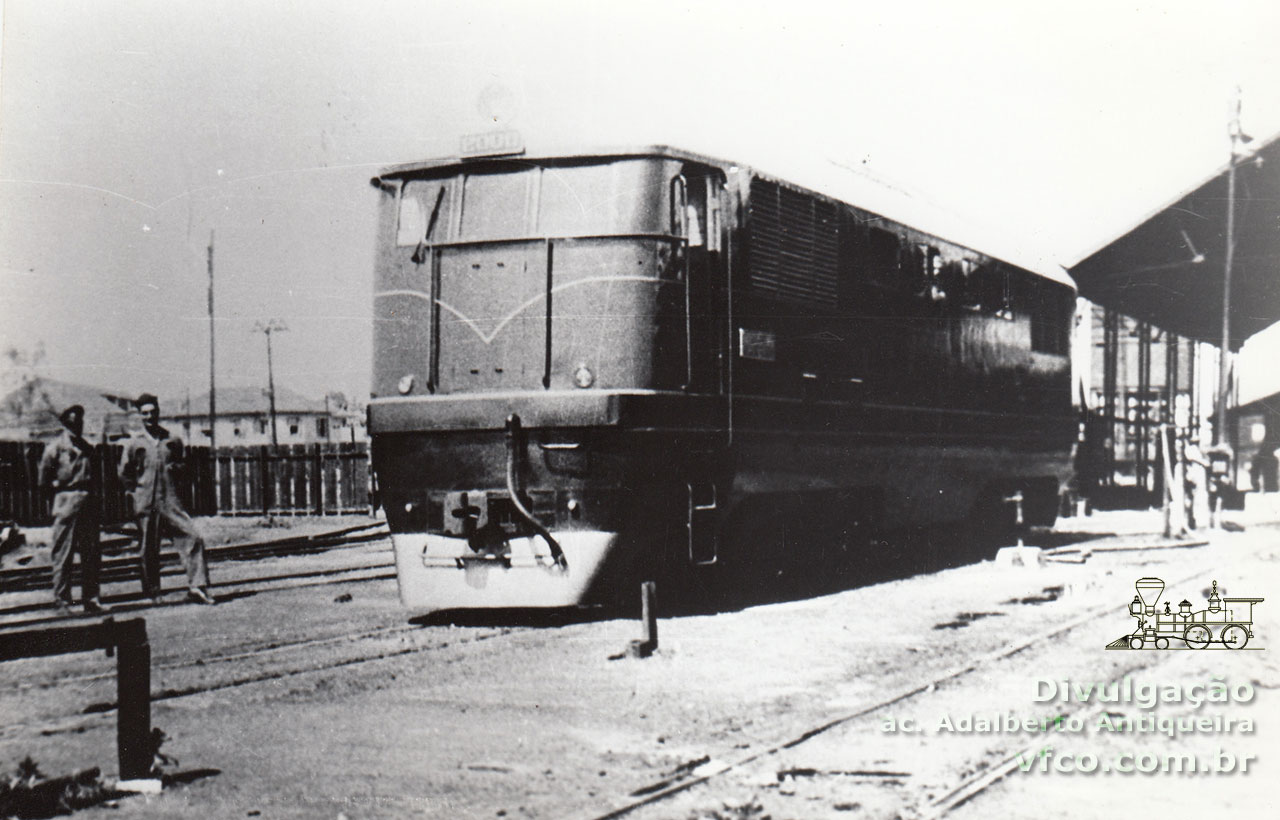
(189, 543)
(75, 529)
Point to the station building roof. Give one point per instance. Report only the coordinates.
(249, 401)
(1169, 268)
(31, 410)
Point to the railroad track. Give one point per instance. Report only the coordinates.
(235, 669)
(125, 568)
(92, 713)
(272, 660)
(243, 667)
(690, 778)
(226, 590)
(210, 661)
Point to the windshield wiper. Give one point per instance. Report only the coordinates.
(419, 254)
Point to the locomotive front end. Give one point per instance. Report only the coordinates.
(524, 311)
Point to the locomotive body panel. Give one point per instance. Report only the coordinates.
(446, 573)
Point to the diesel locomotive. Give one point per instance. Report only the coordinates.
(649, 363)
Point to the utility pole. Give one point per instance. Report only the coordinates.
(213, 390)
(1238, 140)
(268, 327)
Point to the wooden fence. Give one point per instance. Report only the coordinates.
(298, 479)
(301, 479)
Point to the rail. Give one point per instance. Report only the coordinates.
(125, 567)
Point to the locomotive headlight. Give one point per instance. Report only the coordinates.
(583, 377)
(406, 384)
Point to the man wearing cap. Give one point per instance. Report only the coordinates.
(149, 468)
(67, 470)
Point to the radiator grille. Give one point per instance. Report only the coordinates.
(793, 245)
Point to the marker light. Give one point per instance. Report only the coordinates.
(406, 384)
(583, 377)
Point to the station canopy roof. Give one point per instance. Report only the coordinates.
(1169, 269)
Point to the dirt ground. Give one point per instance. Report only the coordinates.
(783, 707)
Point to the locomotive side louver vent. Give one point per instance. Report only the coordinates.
(793, 247)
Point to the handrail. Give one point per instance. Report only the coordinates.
(729, 352)
(513, 450)
(546, 371)
(426, 252)
(678, 215)
(676, 209)
(433, 365)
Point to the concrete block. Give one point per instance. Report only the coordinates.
(1020, 556)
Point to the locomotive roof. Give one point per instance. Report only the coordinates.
(821, 176)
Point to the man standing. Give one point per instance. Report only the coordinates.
(149, 468)
(67, 470)
(1196, 480)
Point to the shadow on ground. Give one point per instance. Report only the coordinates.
(759, 580)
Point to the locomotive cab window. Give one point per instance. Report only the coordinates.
(424, 211)
(698, 192)
(598, 199)
(693, 218)
(496, 206)
(594, 199)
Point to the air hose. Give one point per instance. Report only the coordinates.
(513, 445)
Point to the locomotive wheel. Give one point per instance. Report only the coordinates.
(1235, 636)
(1197, 636)
(1162, 643)
(1135, 642)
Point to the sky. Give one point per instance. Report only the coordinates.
(133, 132)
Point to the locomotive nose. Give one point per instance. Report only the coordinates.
(1149, 590)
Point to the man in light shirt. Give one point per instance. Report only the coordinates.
(149, 468)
